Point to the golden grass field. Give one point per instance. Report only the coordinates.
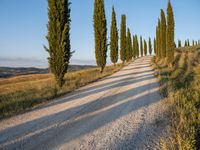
(181, 85)
(23, 92)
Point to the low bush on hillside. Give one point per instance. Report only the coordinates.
(181, 84)
(23, 92)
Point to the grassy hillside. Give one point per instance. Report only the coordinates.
(11, 72)
(23, 92)
(181, 84)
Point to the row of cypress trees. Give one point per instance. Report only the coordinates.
(164, 42)
(129, 46)
(187, 43)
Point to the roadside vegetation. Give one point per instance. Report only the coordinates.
(20, 93)
(181, 84)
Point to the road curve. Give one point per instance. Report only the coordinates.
(122, 111)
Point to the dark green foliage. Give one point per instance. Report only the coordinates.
(154, 44)
(114, 39)
(137, 46)
(128, 46)
(163, 35)
(100, 33)
(159, 39)
(141, 46)
(193, 43)
(59, 38)
(145, 48)
(137, 51)
(123, 39)
(170, 34)
(179, 43)
(134, 51)
(186, 43)
(150, 46)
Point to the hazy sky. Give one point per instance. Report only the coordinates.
(23, 26)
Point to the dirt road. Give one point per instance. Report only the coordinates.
(122, 111)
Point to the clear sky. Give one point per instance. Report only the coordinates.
(23, 26)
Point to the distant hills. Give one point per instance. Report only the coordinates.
(6, 72)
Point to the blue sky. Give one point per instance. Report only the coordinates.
(23, 26)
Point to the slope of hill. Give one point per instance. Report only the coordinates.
(10, 71)
(181, 84)
(25, 91)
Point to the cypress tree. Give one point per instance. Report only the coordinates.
(159, 39)
(114, 39)
(155, 49)
(179, 43)
(128, 46)
(170, 33)
(100, 24)
(196, 43)
(138, 49)
(59, 38)
(134, 47)
(141, 46)
(157, 42)
(163, 35)
(150, 46)
(188, 43)
(193, 43)
(123, 39)
(100, 33)
(145, 48)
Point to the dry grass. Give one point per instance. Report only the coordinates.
(181, 85)
(23, 92)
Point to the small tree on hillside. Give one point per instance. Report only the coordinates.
(100, 33)
(123, 39)
(59, 38)
(114, 39)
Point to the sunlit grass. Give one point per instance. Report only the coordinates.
(181, 84)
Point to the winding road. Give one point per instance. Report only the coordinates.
(122, 111)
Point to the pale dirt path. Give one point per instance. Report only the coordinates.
(123, 111)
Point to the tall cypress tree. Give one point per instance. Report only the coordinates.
(123, 39)
(163, 34)
(141, 46)
(179, 43)
(114, 39)
(59, 38)
(193, 43)
(150, 46)
(145, 48)
(128, 46)
(100, 33)
(188, 42)
(134, 47)
(138, 49)
(154, 44)
(159, 39)
(170, 33)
